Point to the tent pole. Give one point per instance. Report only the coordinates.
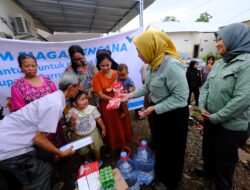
(141, 12)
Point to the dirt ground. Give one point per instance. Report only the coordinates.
(193, 158)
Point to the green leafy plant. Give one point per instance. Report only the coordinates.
(217, 56)
(204, 17)
(170, 19)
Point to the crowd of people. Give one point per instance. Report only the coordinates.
(33, 131)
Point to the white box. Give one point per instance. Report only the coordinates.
(93, 180)
(82, 183)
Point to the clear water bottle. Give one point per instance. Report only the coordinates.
(128, 170)
(145, 162)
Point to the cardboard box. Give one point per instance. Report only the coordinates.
(120, 183)
(88, 177)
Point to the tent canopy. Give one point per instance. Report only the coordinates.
(95, 16)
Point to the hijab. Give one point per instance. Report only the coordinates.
(191, 65)
(154, 45)
(236, 38)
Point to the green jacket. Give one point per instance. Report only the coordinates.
(226, 93)
(167, 86)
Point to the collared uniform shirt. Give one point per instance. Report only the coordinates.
(167, 86)
(226, 93)
(18, 129)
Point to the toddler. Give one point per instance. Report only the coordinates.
(82, 119)
(128, 84)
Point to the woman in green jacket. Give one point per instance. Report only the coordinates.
(224, 102)
(167, 87)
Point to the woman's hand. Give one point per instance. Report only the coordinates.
(109, 89)
(205, 114)
(147, 111)
(124, 97)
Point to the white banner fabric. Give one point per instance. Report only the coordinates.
(52, 58)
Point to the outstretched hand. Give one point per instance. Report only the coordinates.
(147, 111)
(124, 97)
(205, 114)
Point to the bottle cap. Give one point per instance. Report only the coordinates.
(123, 154)
(144, 143)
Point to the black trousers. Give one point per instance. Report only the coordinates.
(169, 134)
(196, 95)
(220, 153)
(32, 172)
(9, 181)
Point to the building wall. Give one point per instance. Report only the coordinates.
(7, 10)
(207, 44)
(185, 41)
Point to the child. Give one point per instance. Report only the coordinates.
(82, 118)
(128, 84)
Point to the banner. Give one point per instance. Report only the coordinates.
(52, 58)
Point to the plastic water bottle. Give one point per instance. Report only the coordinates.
(128, 170)
(145, 162)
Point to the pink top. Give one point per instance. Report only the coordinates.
(22, 92)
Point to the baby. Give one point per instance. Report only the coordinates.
(128, 84)
(82, 119)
